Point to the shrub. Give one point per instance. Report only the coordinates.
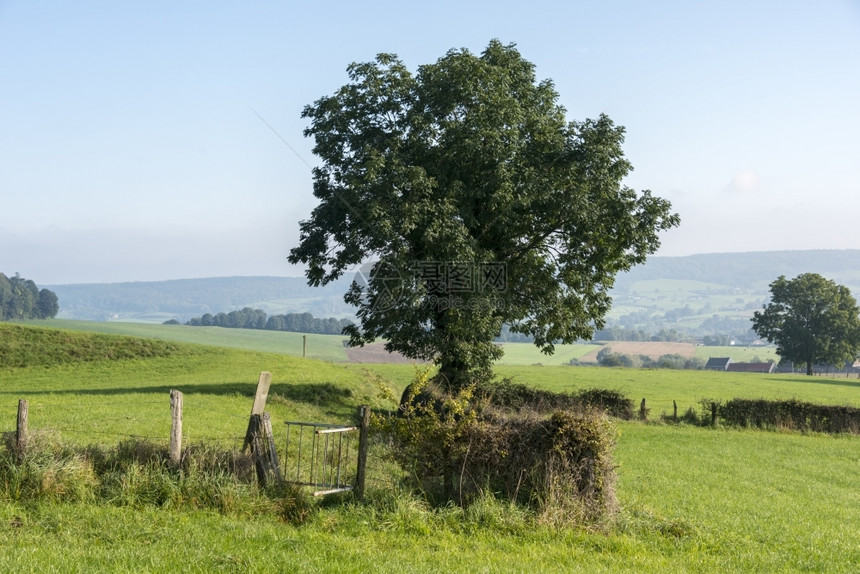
(791, 414)
(606, 358)
(787, 414)
(506, 394)
(457, 448)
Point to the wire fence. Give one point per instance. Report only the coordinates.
(331, 449)
(140, 420)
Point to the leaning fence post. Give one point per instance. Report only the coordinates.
(262, 393)
(258, 407)
(263, 449)
(175, 427)
(21, 431)
(364, 417)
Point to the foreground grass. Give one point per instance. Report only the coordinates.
(753, 501)
(692, 499)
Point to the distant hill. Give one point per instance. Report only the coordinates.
(753, 270)
(182, 299)
(698, 294)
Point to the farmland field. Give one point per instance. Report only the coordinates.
(692, 499)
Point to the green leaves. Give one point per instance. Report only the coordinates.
(471, 161)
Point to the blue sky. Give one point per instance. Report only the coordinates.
(132, 146)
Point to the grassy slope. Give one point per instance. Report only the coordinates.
(330, 347)
(692, 499)
(324, 347)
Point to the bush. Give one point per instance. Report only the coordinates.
(606, 358)
(791, 414)
(506, 394)
(458, 448)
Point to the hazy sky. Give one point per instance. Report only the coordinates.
(132, 146)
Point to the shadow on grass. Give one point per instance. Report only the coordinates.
(318, 394)
(328, 394)
(827, 380)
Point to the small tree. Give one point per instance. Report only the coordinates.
(811, 319)
(481, 204)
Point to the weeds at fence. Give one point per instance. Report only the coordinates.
(138, 473)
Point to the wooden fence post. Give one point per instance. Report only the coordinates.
(262, 393)
(263, 448)
(259, 405)
(175, 427)
(675, 411)
(643, 412)
(304, 345)
(363, 431)
(21, 431)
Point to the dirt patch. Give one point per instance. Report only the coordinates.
(375, 353)
(653, 350)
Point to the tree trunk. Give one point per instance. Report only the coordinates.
(809, 368)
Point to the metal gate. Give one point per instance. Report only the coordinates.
(317, 455)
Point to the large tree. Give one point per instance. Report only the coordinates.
(811, 319)
(479, 204)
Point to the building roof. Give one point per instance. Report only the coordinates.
(718, 363)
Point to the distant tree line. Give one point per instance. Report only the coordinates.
(20, 298)
(607, 358)
(248, 318)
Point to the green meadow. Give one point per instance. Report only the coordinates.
(331, 347)
(691, 499)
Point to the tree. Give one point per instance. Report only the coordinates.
(48, 305)
(811, 319)
(20, 298)
(479, 205)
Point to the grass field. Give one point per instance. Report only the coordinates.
(324, 347)
(330, 347)
(692, 499)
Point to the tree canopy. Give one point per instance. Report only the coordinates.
(478, 204)
(811, 319)
(20, 298)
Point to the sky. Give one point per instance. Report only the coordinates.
(163, 140)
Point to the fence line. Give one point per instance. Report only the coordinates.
(40, 408)
(327, 451)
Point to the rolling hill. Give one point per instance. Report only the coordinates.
(698, 294)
